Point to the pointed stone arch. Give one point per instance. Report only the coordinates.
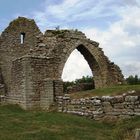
(105, 72)
(92, 62)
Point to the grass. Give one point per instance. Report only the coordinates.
(17, 124)
(116, 90)
(125, 129)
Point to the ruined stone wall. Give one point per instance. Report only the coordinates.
(58, 87)
(31, 68)
(57, 44)
(11, 47)
(99, 108)
(32, 88)
(18, 82)
(61, 43)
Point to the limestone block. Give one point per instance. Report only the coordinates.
(117, 99)
(82, 101)
(73, 102)
(107, 107)
(95, 97)
(118, 106)
(128, 111)
(137, 113)
(59, 109)
(107, 104)
(137, 110)
(131, 92)
(66, 98)
(137, 134)
(41, 45)
(136, 103)
(78, 102)
(129, 105)
(106, 98)
(2, 98)
(70, 107)
(131, 98)
(96, 102)
(83, 108)
(97, 112)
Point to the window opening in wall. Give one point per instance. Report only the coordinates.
(22, 38)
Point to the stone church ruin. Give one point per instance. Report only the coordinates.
(31, 63)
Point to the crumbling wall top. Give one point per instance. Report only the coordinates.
(21, 26)
(65, 34)
(19, 23)
(16, 41)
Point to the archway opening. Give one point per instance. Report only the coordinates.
(77, 73)
(76, 67)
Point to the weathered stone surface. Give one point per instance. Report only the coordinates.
(101, 107)
(119, 105)
(30, 62)
(131, 98)
(137, 135)
(2, 99)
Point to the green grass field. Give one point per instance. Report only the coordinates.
(116, 90)
(17, 124)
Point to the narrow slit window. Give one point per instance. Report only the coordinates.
(22, 38)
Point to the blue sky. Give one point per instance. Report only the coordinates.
(114, 24)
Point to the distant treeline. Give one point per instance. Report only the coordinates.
(133, 80)
(84, 79)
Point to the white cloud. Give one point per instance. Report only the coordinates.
(71, 11)
(75, 67)
(120, 40)
(59, 10)
(119, 43)
(131, 68)
(77, 9)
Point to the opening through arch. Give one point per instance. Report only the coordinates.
(86, 63)
(76, 67)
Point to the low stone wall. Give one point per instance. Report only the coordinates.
(2, 89)
(113, 107)
(2, 99)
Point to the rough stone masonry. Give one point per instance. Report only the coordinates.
(102, 107)
(31, 63)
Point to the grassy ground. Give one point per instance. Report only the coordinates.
(116, 90)
(17, 124)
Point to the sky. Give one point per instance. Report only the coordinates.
(114, 24)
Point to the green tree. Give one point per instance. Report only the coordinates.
(133, 80)
(87, 79)
(84, 79)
